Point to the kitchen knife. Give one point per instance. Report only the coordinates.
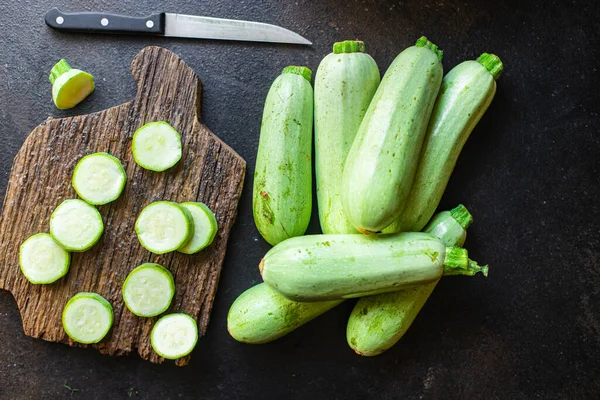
(172, 25)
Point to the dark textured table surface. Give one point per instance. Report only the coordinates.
(529, 174)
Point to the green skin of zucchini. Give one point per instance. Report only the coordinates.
(466, 93)
(344, 86)
(382, 161)
(330, 267)
(282, 191)
(261, 315)
(378, 322)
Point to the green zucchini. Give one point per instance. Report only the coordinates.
(345, 83)
(382, 161)
(378, 322)
(330, 267)
(282, 190)
(261, 315)
(467, 91)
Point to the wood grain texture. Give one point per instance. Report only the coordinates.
(40, 179)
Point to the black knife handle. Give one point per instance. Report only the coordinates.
(96, 22)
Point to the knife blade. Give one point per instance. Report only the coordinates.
(172, 25)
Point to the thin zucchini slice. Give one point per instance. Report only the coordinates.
(148, 290)
(174, 336)
(87, 317)
(99, 178)
(205, 227)
(76, 225)
(164, 226)
(42, 260)
(156, 146)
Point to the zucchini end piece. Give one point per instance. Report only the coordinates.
(69, 86)
(424, 42)
(492, 63)
(349, 46)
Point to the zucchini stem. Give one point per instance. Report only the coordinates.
(462, 216)
(424, 42)
(349, 46)
(304, 72)
(492, 63)
(59, 68)
(471, 269)
(457, 262)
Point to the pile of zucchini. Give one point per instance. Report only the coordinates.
(385, 151)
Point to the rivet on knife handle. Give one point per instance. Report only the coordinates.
(105, 23)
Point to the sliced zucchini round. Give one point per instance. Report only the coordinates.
(174, 336)
(99, 178)
(76, 225)
(87, 317)
(164, 226)
(148, 290)
(156, 146)
(42, 260)
(205, 227)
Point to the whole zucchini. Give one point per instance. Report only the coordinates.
(382, 161)
(282, 191)
(329, 267)
(260, 315)
(467, 91)
(378, 322)
(345, 83)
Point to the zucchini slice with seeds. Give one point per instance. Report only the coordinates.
(156, 146)
(87, 317)
(164, 226)
(76, 225)
(148, 290)
(174, 336)
(42, 260)
(99, 178)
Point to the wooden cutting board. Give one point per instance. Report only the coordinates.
(40, 179)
